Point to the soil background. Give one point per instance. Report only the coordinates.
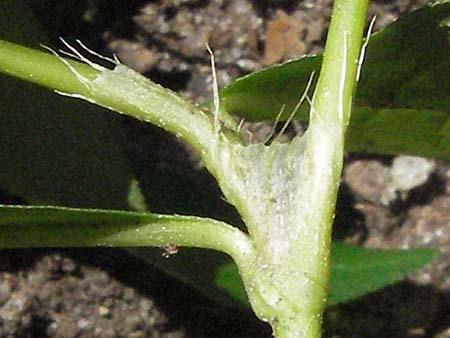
(384, 201)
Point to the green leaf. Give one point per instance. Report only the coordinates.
(65, 166)
(45, 226)
(57, 150)
(263, 94)
(54, 150)
(408, 62)
(228, 280)
(200, 269)
(356, 271)
(421, 132)
(405, 80)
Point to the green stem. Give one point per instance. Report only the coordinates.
(334, 91)
(286, 193)
(43, 68)
(35, 226)
(123, 91)
(329, 116)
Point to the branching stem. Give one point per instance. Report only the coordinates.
(286, 193)
(55, 228)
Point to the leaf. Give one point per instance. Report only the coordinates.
(198, 268)
(46, 226)
(261, 95)
(54, 150)
(57, 150)
(422, 132)
(97, 184)
(405, 80)
(229, 280)
(356, 271)
(34, 226)
(408, 62)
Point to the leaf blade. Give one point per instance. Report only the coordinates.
(406, 68)
(356, 271)
(49, 226)
(421, 132)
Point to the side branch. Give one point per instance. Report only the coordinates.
(35, 226)
(120, 89)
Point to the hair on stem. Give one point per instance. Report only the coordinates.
(215, 90)
(297, 106)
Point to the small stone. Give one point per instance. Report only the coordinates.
(409, 172)
(368, 179)
(103, 311)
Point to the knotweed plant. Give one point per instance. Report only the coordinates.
(284, 192)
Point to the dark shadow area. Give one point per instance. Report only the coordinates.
(266, 7)
(6, 198)
(349, 222)
(396, 311)
(176, 81)
(78, 19)
(183, 305)
(441, 318)
(422, 195)
(171, 175)
(38, 327)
